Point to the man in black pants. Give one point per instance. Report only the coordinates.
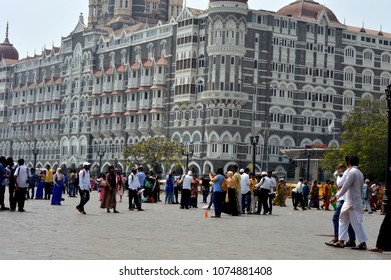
(263, 193)
(84, 186)
(2, 185)
(12, 183)
(299, 195)
(186, 188)
(134, 186)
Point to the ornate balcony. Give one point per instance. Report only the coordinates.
(217, 96)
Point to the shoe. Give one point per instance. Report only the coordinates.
(215, 217)
(21, 210)
(131, 209)
(362, 246)
(321, 207)
(332, 242)
(295, 209)
(83, 212)
(116, 212)
(140, 209)
(338, 245)
(350, 244)
(108, 211)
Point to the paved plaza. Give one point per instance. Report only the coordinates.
(165, 232)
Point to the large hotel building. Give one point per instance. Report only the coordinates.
(213, 78)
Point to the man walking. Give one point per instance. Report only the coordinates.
(351, 212)
(84, 186)
(299, 195)
(21, 175)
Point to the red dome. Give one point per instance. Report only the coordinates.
(307, 10)
(7, 50)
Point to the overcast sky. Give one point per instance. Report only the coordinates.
(38, 23)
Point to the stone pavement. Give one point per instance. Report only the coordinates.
(164, 232)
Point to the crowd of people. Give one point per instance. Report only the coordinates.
(236, 192)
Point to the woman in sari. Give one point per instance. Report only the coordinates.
(120, 185)
(109, 200)
(280, 198)
(231, 195)
(58, 185)
(314, 194)
(194, 192)
(40, 186)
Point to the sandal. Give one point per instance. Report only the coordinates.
(376, 250)
(338, 245)
(360, 247)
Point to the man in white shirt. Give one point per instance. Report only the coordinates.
(263, 188)
(351, 212)
(341, 174)
(84, 187)
(245, 191)
(299, 195)
(272, 194)
(134, 186)
(21, 175)
(186, 188)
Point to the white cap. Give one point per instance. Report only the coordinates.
(282, 179)
(86, 163)
(264, 173)
(189, 173)
(241, 170)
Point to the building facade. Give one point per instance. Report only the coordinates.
(213, 78)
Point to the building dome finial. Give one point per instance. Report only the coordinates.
(7, 50)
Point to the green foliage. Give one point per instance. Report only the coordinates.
(154, 152)
(364, 135)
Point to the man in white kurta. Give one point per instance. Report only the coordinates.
(352, 212)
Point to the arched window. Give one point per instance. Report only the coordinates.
(348, 100)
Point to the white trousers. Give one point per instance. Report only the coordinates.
(240, 201)
(354, 217)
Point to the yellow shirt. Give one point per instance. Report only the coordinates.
(49, 176)
(237, 178)
(253, 182)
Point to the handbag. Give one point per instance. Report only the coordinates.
(226, 198)
(224, 186)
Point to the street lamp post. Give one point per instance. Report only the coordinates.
(101, 153)
(188, 153)
(309, 154)
(254, 142)
(35, 152)
(388, 170)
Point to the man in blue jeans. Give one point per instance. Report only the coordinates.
(341, 174)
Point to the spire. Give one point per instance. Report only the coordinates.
(6, 41)
(7, 30)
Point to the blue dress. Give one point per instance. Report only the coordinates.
(57, 191)
(39, 191)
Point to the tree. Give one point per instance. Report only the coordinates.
(154, 152)
(364, 135)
